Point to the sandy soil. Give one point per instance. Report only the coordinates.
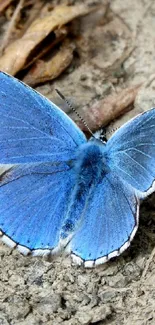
(36, 292)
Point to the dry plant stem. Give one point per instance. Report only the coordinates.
(4, 4)
(11, 25)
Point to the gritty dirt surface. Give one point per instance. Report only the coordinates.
(34, 291)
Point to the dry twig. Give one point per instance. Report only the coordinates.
(11, 25)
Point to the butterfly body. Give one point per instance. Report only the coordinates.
(89, 168)
(61, 192)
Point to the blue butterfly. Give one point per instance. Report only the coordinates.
(60, 192)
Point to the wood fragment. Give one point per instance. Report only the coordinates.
(109, 108)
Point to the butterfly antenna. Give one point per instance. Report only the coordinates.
(74, 110)
(112, 130)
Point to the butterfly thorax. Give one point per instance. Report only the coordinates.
(91, 160)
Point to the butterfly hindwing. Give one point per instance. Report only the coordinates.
(33, 204)
(109, 222)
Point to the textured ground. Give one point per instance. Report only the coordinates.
(121, 292)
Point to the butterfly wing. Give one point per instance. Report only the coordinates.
(33, 204)
(32, 129)
(38, 141)
(131, 152)
(109, 220)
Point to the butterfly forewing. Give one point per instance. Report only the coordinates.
(131, 152)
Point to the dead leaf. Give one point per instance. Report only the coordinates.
(57, 36)
(4, 4)
(16, 54)
(109, 108)
(42, 71)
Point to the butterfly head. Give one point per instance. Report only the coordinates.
(100, 135)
